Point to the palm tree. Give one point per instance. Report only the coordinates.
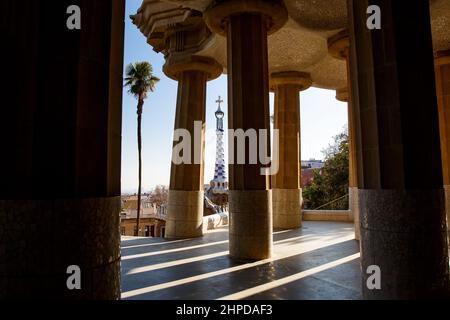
(139, 81)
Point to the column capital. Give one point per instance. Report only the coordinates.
(342, 94)
(210, 66)
(442, 57)
(339, 44)
(217, 14)
(302, 79)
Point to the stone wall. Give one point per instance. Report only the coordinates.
(127, 227)
(328, 215)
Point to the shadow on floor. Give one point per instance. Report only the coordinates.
(320, 261)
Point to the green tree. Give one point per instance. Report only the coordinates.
(140, 81)
(331, 182)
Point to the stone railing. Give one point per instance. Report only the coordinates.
(215, 221)
(328, 215)
(221, 219)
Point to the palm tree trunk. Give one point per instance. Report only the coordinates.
(139, 133)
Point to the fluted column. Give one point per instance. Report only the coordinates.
(402, 205)
(246, 25)
(60, 181)
(286, 184)
(442, 71)
(338, 47)
(186, 198)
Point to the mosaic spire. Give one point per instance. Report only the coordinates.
(220, 174)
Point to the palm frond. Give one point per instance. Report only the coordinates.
(140, 79)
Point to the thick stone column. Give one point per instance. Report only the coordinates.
(442, 71)
(402, 212)
(339, 47)
(286, 184)
(246, 25)
(60, 181)
(186, 199)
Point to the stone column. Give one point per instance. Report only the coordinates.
(402, 211)
(186, 198)
(246, 25)
(338, 47)
(286, 184)
(60, 172)
(442, 71)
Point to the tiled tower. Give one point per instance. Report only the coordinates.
(219, 184)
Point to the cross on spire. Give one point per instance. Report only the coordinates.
(219, 101)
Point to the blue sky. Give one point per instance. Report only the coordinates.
(322, 117)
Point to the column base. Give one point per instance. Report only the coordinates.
(184, 214)
(353, 206)
(40, 239)
(287, 208)
(251, 224)
(403, 232)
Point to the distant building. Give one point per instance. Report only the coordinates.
(152, 218)
(307, 177)
(308, 169)
(312, 164)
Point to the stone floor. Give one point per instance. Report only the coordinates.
(320, 261)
